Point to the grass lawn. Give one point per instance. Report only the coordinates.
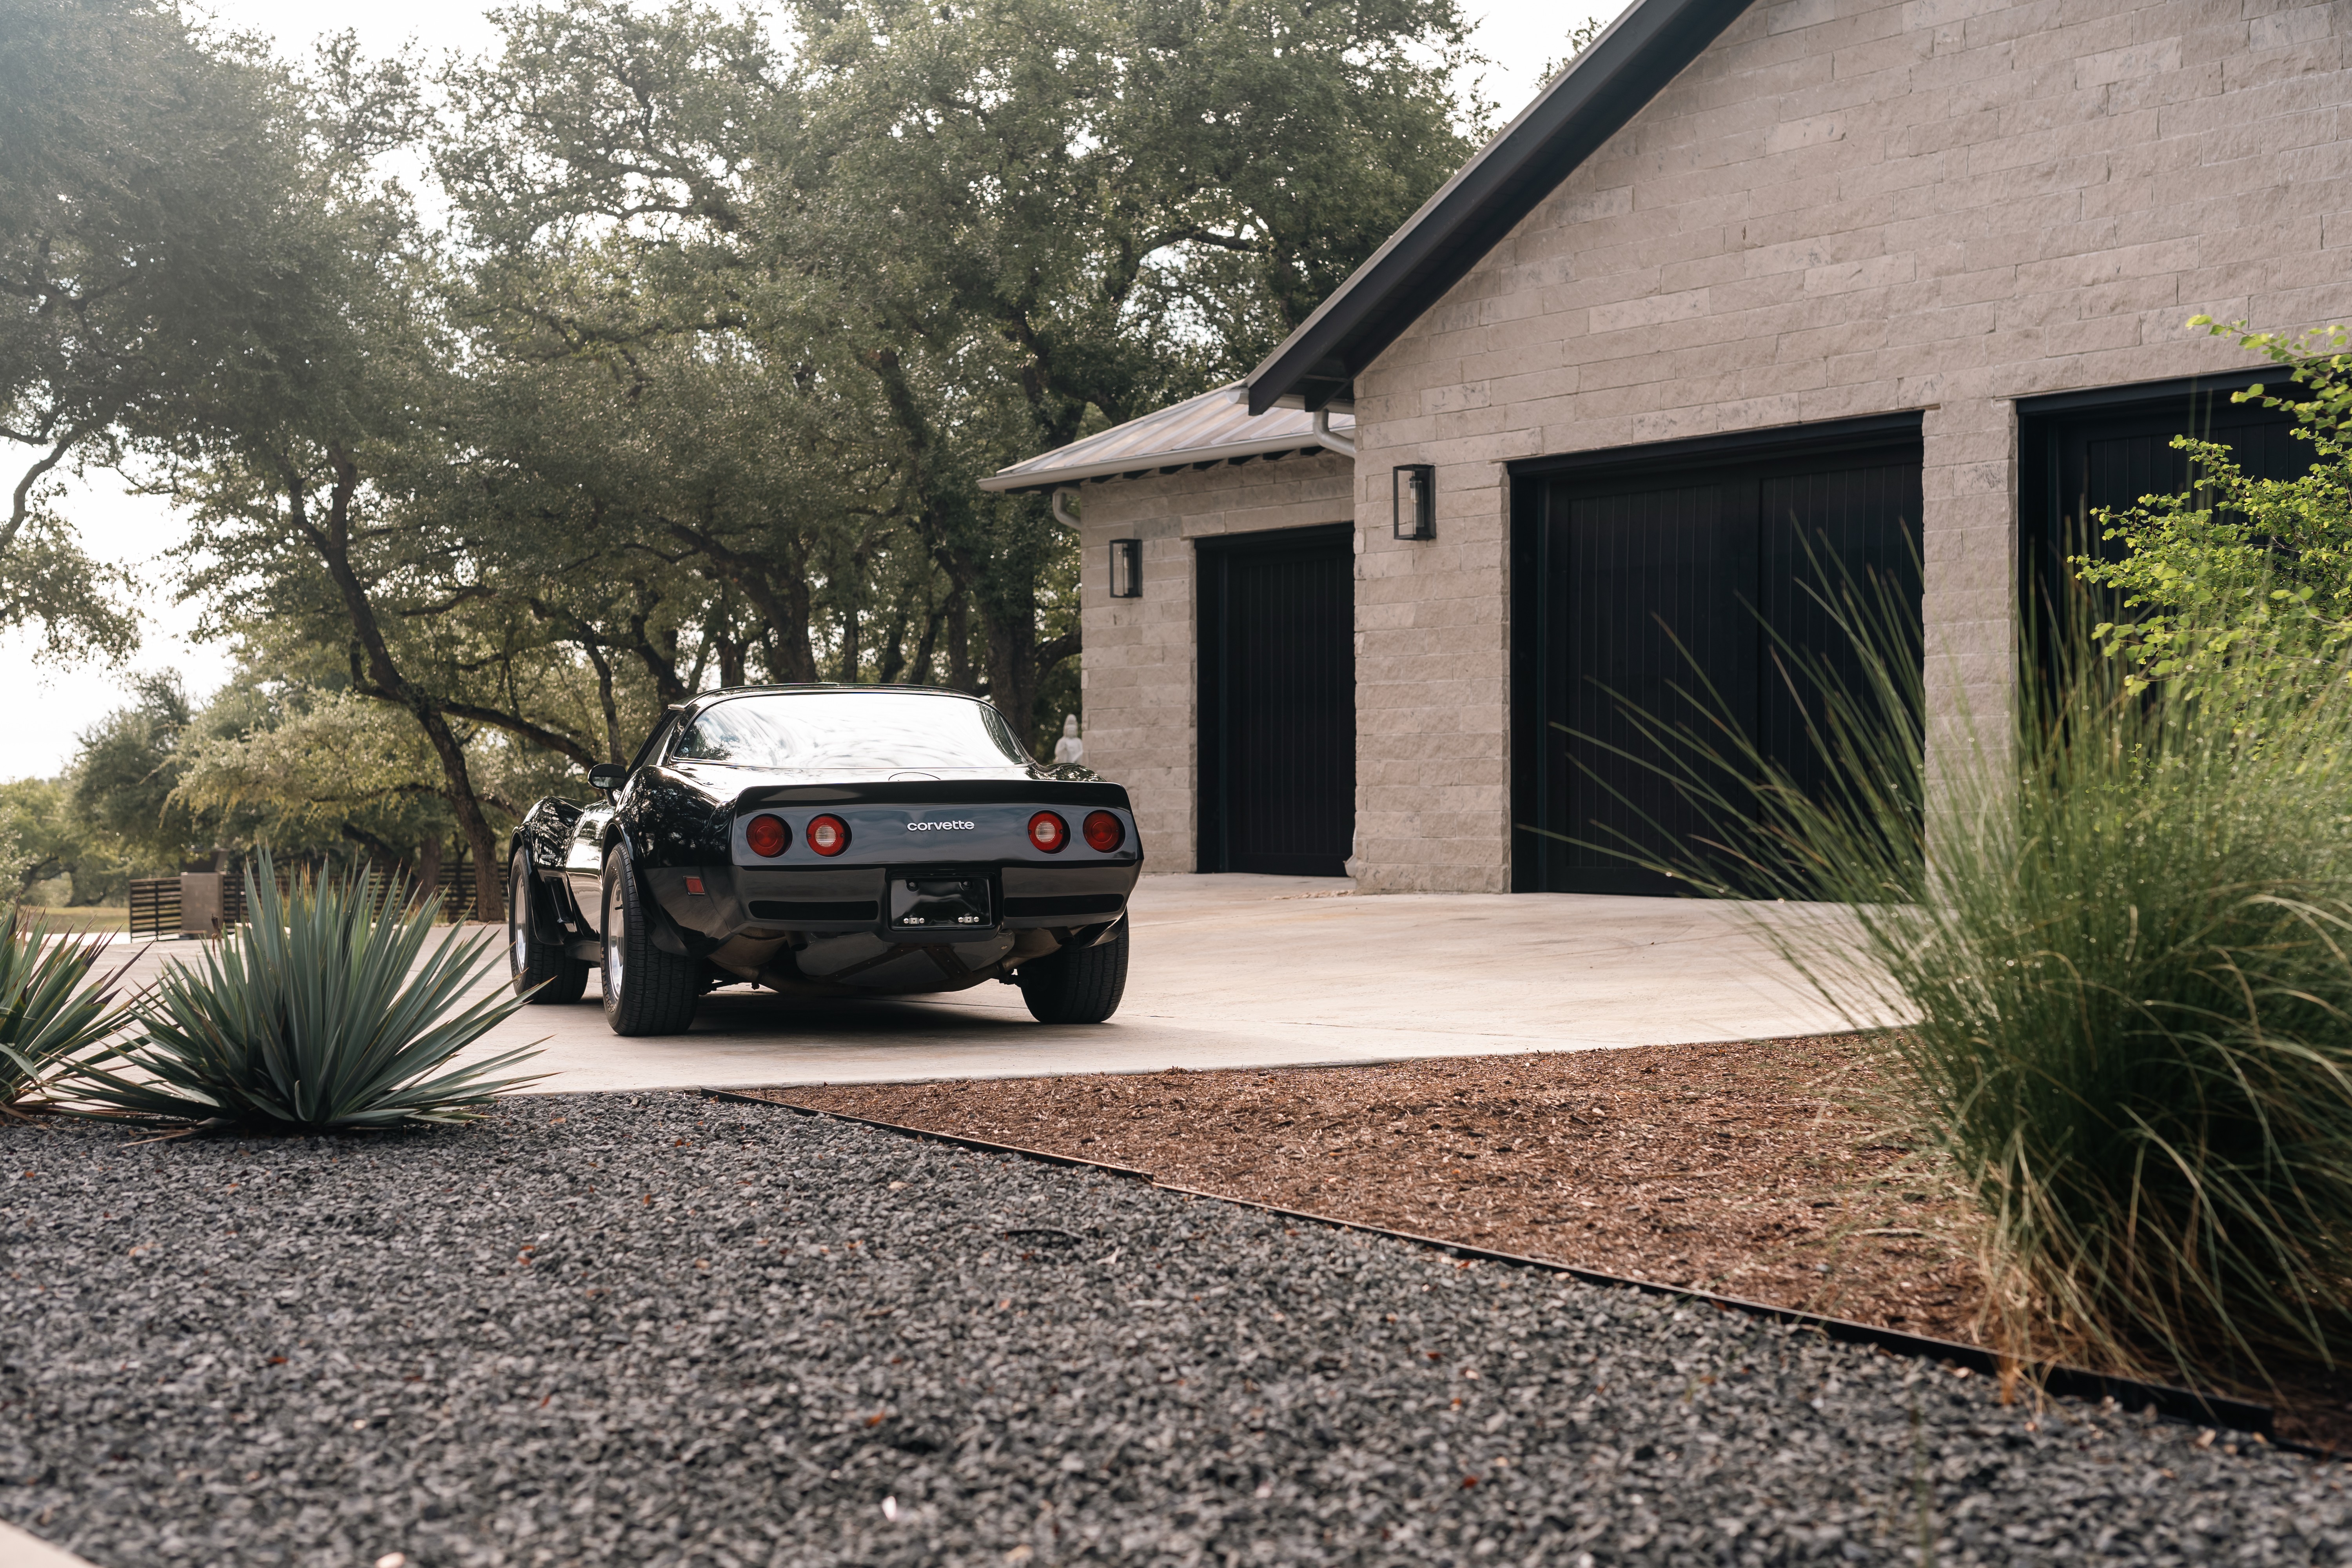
(97, 918)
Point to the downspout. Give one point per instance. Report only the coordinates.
(1324, 439)
(1061, 512)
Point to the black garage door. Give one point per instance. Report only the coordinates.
(1644, 579)
(1278, 702)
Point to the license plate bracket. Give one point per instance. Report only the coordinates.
(941, 903)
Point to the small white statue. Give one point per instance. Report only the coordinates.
(1070, 748)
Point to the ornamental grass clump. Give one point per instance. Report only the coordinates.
(327, 1012)
(53, 1004)
(2121, 934)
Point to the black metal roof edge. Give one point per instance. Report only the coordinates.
(2134, 393)
(1165, 465)
(1870, 429)
(1602, 89)
(2066, 1381)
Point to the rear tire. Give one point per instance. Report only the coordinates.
(1076, 985)
(647, 990)
(542, 970)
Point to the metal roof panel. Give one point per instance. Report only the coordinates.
(1216, 427)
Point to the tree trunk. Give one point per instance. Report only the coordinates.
(487, 894)
(1012, 668)
(730, 659)
(613, 753)
(893, 660)
(959, 631)
(928, 644)
(660, 663)
(384, 677)
(775, 584)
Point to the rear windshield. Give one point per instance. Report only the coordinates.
(850, 730)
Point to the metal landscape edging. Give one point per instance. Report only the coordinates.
(980, 1144)
(2064, 1381)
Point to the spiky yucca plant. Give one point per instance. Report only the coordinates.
(2121, 929)
(53, 1004)
(327, 1011)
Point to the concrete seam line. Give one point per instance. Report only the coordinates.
(2055, 1378)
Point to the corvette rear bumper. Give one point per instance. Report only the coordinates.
(757, 902)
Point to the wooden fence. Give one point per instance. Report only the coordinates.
(154, 906)
(157, 905)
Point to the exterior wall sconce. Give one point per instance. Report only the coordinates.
(1413, 498)
(1126, 568)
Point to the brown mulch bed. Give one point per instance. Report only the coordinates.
(1733, 1168)
(1743, 1169)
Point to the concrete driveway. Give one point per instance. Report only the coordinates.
(1241, 971)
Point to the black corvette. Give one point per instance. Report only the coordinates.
(826, 841)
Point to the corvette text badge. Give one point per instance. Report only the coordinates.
(942, 826)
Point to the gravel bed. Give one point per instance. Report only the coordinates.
(660, 1330)
(1739, 1168)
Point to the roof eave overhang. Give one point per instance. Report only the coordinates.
(1144, 465)
(1590, 102)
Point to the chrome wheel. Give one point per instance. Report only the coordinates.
(544, 970)
(519, 923)
(613, 915)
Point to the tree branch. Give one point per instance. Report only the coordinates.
(554, 741)
(21, 504)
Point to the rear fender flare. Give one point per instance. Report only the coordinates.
(548, 821)
(665, 933)
(545, 926)
(543, 832)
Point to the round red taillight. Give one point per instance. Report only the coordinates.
(768, 836)
(1048, 832)
(1104, 832)
(828, 835)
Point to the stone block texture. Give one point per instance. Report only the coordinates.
(1842, 208)
(1137, 687)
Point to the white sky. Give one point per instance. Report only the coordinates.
(1519, 35)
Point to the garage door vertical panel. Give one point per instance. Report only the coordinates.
(1642, 604)
(1841, 536)
(1277, 704)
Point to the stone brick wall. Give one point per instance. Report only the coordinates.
(1842, 208)
(1138, 693)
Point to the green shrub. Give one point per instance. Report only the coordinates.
(2247, 575)
(311, 1018)
(2121, 935)
(52, 1003)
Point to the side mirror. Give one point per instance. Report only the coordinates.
(607, 777)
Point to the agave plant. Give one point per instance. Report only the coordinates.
(51, 1007)
(327, 1011)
